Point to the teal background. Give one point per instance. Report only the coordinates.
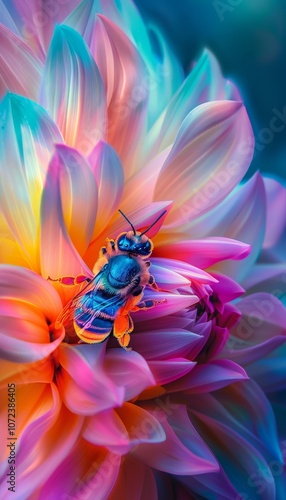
(248, 37)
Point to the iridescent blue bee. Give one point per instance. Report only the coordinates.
(121, 275)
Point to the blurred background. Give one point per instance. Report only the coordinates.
(248, 37)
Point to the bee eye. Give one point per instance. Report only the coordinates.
(104, 267)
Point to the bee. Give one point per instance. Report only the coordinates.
(121, 274)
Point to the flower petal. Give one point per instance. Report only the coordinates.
(122, 72)
(58, 256)
(276, 203)
(20, 68)
(211, 154)
(165, 344)
(48, 423)
(246, 402)
(204, 253)
(108, 172)
(203, 84)
(129, 370)
(85, 386)
(28, 304)
(183, 452)
(172, 303)
(245, 464)
(241, 216)
(124, 428)
(87, 472)
(74, 95)
(136, 478)
(39, 19)
(167, 278)
(6, 18)
(191, 272)
(209, 377)
(261, 329)
(269, 372)
(26, 143)
(167, 371)
(78, 196)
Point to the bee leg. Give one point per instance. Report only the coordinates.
(103, 251)
(147, 304)
(71, 280)
(124, 341)
(152, 283)
(110, 246)
(123, 326)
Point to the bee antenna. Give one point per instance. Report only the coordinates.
(133, 228)
(153, 224)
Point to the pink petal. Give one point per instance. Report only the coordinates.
(124, 428)
(85, 386)
(107, 429)
(40, 19)
(129, 370)
(260, 330)
(165, 344)
(58, 255)
(184, 269)
(28, 304)
(276, 204)
(122, 71)
(74, 97)
(20, 68)
(108, 172)
(173, 303)
(78, 196)
(209, 377)
(183, 452)
(87, 472)
(167, 278)
(26, 143)
(226, 289)
(138, 190)
(210, 156)
(204, 253)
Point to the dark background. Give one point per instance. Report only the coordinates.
(248, 37)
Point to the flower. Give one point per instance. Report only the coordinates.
(100, 119)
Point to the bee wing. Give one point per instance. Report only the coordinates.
(67, 313)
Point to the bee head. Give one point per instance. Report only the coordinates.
(134, 242)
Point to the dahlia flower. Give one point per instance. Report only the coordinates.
(97, 116)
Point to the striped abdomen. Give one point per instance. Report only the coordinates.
(94, 318)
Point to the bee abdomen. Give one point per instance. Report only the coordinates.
(101, 326)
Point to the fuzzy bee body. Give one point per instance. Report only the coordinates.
(120, 276)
